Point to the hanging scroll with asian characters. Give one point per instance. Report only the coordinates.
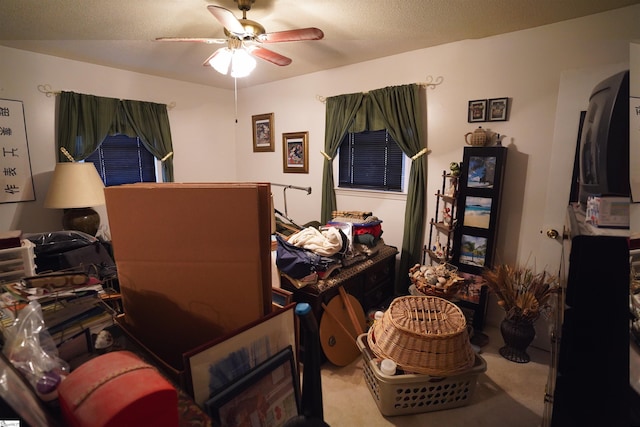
(16, 180)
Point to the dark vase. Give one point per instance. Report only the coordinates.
(517, 337)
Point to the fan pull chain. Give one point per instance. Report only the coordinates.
(235, 96)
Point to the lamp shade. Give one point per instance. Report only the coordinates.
(75, 185)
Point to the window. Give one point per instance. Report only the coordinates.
(121, 159)
(370, 161)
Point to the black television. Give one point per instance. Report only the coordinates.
(604, 143)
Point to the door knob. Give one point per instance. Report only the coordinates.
(553, 234)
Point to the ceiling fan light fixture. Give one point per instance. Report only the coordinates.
(221, 60)
(242, 63)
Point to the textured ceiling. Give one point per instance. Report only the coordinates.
(121, 33)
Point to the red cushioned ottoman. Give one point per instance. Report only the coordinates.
(117, 389)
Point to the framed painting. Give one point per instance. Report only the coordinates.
(473, 250)
(295, 150)
(477, 111)
(213, 367)
(263, 132)
(498, 109)
(481, 171)
(268, 395)
(477, 212)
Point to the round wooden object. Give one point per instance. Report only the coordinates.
(338, 333)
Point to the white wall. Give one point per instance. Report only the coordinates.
(201, 123)
(525, 66)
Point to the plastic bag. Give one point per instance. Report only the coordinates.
(33, 352)
(59, 241)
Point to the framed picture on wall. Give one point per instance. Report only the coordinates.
(498, 109)
(263, 132)
(295, 151)
(477, 111)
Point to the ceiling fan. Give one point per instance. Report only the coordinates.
(244, 40)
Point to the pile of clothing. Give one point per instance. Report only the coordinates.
(316, 253)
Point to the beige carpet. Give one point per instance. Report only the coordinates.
(507, 394)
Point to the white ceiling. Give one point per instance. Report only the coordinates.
(121, 33)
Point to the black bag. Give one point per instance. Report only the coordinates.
(299, 262)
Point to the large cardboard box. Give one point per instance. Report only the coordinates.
(193, 261)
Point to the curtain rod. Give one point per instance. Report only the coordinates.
(429, 83)
(46, 89)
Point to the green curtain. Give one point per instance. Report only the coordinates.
(397, 109)
(402, 113)
(84, 121)
(150, 122)
(340, 112)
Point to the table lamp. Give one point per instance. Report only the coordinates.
(76, 187)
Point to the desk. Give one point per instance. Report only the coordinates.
(370, 282)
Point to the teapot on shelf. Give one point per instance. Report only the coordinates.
(478, 137)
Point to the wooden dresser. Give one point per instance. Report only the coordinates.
(370, 281)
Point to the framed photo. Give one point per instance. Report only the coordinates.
(477, 212)
(473, 250)
(213, 367)
(477, 111)
(498, 109)
(269, 395)
(481, 172)
(295, 150)
(263, 132)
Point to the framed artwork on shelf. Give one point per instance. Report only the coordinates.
(481, 171)
(477, 212)
(263, 132)
(269, 394)
(295, 151)
(478, 208)
(473, 250)
(477, 111)
(498, 109)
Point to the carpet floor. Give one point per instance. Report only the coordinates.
(507, 394)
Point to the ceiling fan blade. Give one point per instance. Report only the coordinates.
(269, 55)
(301, 34)
(227, 19)
(191, 39)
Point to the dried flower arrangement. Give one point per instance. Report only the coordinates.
(522, 293)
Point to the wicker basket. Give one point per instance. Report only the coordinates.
(451, 284)
(423, 334)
